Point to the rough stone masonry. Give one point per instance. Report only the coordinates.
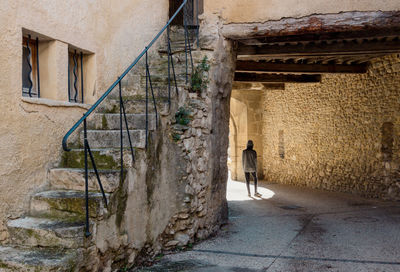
(341, 134)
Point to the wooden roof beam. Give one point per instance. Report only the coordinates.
(269, 67)
(338, 25)
(276, 78)
(325, 49)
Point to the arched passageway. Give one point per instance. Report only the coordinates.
(320, 102)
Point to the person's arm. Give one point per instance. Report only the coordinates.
(243, 159)
(255, 159)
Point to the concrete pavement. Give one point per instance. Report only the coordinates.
(297, 229)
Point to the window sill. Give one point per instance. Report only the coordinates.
(54, 103)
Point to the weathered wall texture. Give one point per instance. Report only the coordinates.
(204, 145)
(245, 124)
(340, 135)
(30, 134)
(252, 11)
(176, 192)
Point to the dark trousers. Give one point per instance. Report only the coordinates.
(247, 175)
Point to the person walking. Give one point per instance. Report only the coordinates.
(249, 162)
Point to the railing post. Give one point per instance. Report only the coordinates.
(190, 50)
(169, 69)
(152, 93)
(127, 127)
(120, 131)
(197, 23)
(97, 174)
(87, 232)
(147, 104)
(184, 30)
(173, 71)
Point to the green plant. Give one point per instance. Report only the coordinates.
(124, 269)
(176, 137)
(199, 79)
(182, 116)
(159, 256)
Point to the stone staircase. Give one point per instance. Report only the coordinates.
(50, 237)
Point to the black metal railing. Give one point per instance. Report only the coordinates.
(149, 88)
(73, 91)
(28, 89)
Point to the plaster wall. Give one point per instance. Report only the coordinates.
(31, 129)
(341, 134)
(252, 11)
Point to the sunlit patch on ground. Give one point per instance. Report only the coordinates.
(237, 191)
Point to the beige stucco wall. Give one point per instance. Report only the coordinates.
(334, 134)
(249, 11)
(30, 134)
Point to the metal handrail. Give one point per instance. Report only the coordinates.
(122, 115)
(92, 108)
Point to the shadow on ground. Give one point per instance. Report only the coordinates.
(190, 266)
(296, 229)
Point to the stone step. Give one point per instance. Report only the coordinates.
(180, 58)
(160, 65)
(67, 204)
(34, 231)
(160, 90)
(37, 259)
(135, 104)
(105, 158)
(178, 49)
(74, 179)
(103, 121)
(161, 81)
(111, 138)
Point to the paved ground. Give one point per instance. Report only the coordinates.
(297, 229)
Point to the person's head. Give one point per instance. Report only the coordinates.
(250, 144)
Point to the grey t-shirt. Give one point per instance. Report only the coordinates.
(249, 160)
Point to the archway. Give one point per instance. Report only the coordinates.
(317, 97)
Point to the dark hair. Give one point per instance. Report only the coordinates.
(250, 144)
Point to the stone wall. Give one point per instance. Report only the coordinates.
(204, 144)
(340, 134)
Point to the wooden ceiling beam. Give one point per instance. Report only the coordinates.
(276, 78)
(323, 49)
(339, 25)
(269, 67)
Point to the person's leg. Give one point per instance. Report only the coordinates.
(255, 184)
(247, 176)
(255, 181)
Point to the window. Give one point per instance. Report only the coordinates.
(30, 67)
(66, 71)
(75, 77)
(191, 10)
